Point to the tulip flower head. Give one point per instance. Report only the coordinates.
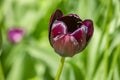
(69, 35)
(15, 35)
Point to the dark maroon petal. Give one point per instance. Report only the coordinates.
(72, 21)
(65, 45)
(57, 14)
(80, 36)
(58, 28)
(90, 29)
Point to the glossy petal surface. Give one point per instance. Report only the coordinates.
(58, 28)
(80, 36)
(65, 45)
(57, 14)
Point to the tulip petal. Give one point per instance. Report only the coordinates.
(58, 28)
(72, 21)
(89, 25)
(80, 36)
(65, 45)
(57, 14)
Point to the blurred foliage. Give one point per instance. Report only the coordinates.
(34, 58)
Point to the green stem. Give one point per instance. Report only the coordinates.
(1, 72)
(60, 68)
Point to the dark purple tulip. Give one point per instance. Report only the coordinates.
(69, 35)
(15, 35)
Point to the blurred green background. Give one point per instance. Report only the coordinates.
(34, 59)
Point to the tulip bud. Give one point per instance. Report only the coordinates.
(69, 35)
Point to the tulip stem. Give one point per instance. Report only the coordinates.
(1, 72)
(60, 68)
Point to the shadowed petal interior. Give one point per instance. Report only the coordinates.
(72, 21)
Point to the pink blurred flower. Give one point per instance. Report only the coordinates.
(15, 35)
